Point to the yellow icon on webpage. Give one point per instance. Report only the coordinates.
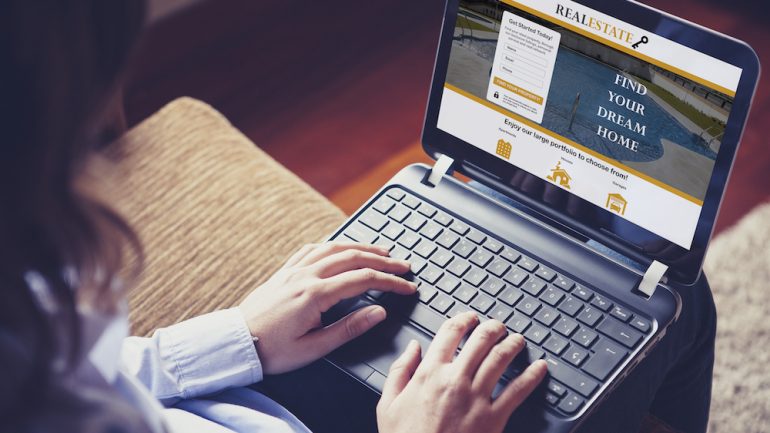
(560, 176)
(504, 149)
(616, 203)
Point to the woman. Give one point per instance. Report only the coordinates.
(62, 314)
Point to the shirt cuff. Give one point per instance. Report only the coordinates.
(212, 352)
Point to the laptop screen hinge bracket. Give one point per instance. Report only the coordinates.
(654, 276)
(442, 167)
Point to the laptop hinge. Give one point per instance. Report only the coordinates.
(440, 168)
(655, 275)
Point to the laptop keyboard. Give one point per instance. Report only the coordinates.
(583, 335)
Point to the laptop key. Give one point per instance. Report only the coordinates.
(475, 276)
(518, 323)
(431, 274)
(556, 388)
(458, 309)
(481, 258)
(528, 306)
(621, 314)
(425, 250)
(564, 283)
(566, 326)
(575, 355)
(556, 344)
(501, 312)
(442, 303)
(459, 267)
(551, 399)
(641, 324)
(443, 219)
(546, 273)
(459, 227)
(447, 239)
(384, 242)
(411, 202)
(384, 205)
(571, 404)
(601, 303)
(426, 293)
(498, 267)
(360, 233)
(606, 357)
(528, 264)
(533, 286)
(427, 210)
(400, 253)
(574, 379)
(582, 293)
(441, 258)
(493, 245)
(396, 194)
(417, 265)
(585, 337)
(431, 230)
(464, 249)
(590, 316)
(415, 222)
(510, 254)
(620, 332)
(393, 231)
(570, 306)
(409, 239)
(546, 316)
(448, 284)
(399, 213)
(516, 276)
(465, 293)
(482, 303)
(552, 296)
(510, 296)
(493, 286)
(537, 333)
(476, 236)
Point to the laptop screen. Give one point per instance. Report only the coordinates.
(620, 117)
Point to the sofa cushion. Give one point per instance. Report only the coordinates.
(215, 214)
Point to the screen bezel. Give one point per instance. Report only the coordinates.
(684, 265)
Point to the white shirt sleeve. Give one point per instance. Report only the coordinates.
(196, 357)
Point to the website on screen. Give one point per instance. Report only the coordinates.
(623, 118)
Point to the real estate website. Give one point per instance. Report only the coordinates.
(623, 118)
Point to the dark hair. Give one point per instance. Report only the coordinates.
(61, 66)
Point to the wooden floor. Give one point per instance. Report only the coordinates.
(336, 91)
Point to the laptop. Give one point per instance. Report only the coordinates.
(599, 137)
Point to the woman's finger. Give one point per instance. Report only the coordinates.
(321, 342)
(351, 259)
(479, 344)
(498, 360)
(333, 247)
(401, 373)
(520, 388)
(444, 345)
(353, 283)
(299, 255)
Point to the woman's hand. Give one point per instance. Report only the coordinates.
(284, 313)
(444, 394)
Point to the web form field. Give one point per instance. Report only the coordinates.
(523, 67)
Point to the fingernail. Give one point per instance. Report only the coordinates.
(376, 315)
(413, 344)
(414, 285)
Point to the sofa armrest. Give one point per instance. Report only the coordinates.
(215, 214)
